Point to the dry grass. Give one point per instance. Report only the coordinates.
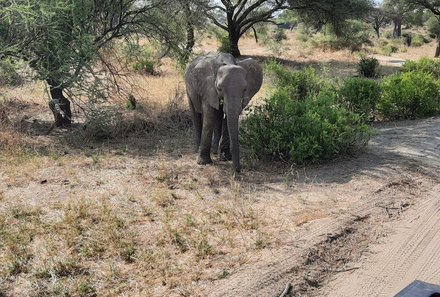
(120, 208)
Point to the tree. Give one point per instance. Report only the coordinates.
(378, 19)
(434, 7)
(183, 19)
(434, 28)
(62, 39)
(397, 11)
(237, 17)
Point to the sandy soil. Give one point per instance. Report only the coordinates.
(390, 196)
(363, 225)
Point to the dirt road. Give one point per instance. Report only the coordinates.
(384, 228)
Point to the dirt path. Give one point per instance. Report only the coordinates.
(383, 231)
(411, 252)
(367, 223)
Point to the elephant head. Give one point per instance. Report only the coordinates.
(236, 85)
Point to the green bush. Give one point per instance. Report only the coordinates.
(368, 67)
(140, 58)
(418, 40)
(360, 95)
(407, 38)
(353, 37)
(225, 44)
(424, 65)
(9, 75)
(279, 35)
(307, 131)
(389, 49)
(298, 84)
(409, 95)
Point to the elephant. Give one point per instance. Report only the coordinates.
(219, 87)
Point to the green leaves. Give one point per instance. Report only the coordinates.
(310, 130)
(409, 95)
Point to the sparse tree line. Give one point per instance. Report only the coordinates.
(64, 41)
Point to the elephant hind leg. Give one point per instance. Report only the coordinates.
(197, 121)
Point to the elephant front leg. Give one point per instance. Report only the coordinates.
(209, 117)
(225, 152)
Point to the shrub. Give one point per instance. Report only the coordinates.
(388, 49)
(140, 58)
(353, 36)
(409, 95)
(368, 67)
(9, 75)
(307, 131)
(418, 40)
(225, 44)
(408, 38)
(424, 65)
(360, 95)
(303, 33)
(280, 35)
(298, 84)
(433, 25)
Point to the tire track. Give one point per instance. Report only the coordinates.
(413, 252)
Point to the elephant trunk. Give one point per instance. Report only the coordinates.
(232, 120)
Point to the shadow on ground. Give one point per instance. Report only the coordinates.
(414, 145)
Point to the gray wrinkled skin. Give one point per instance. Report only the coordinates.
(218, 88)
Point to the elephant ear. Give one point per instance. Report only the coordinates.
(205, 74)
(254, 78)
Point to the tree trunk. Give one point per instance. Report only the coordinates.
(190, 40)
(397, 33)
(59, 105)
(233, 33)
(235, 51)
(377, 30)
(437, 50)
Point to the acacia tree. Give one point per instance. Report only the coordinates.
(61, 39)
(378, 19)
(434, 7)
(397, 11)
(236, 17)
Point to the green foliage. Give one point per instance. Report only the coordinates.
(335, 13)
(302, 120)
(408, 38)
(418, 40)
(140, 58)
(353, 36)
(307, 131)
(225, 44)
(9, 75)
(131, 103)
(279, 35)
(424, 65)
(360, 95)
(368, 67)
(433, 25)
(407, 95)
(389, 49)
(303, 33)
(298, 84)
